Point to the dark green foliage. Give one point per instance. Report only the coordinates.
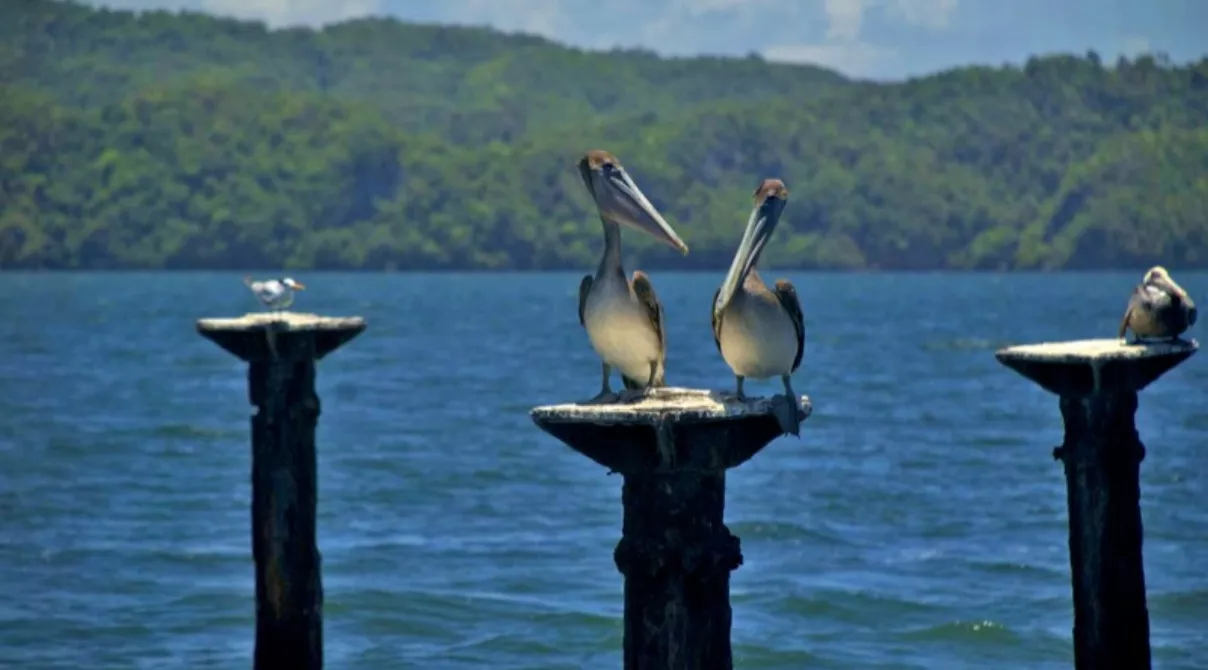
(185, 141)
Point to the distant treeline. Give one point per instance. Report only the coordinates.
(161, 140)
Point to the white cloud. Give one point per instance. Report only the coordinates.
(538, 17)
(586, 21)
(844, 50)
(832, 33)
(293, 12)
(275, 13)
(853, 58)
(933, 14)
(698, 7)
(143, 5)
(1134, 45)
(846, 17)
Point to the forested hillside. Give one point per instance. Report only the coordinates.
(185, 141)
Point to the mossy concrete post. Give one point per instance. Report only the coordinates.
(673, 449)
(1098, 382)
(281, 349)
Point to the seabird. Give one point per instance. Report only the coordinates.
(1158, 308)
(623, 317)
(276, 294)
(760, 332)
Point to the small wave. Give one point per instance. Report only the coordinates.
(963, 631)
(1021, 569)
(191, 430)
(1180, 600)
(850, 606)
(777, 530)
(751, 656)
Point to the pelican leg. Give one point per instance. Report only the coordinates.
(742, 397)
(789, 415)
(635, 394)
(605, 395)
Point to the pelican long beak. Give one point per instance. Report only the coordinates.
(760, 225)
(1160, 279)
(1167, 284)
(621, 201)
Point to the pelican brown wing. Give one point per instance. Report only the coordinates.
(584, 289)
(786, 293)
(1126, 320)
(1183, 301)
(716, 318)
(644, 291)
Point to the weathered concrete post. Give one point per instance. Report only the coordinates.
(673, 449)
(1098, 381)
(281, 350)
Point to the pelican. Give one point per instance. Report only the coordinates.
(276, 294)
(623, 317)
(1158, 308)
(760, 331)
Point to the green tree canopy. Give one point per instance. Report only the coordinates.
(158, 139)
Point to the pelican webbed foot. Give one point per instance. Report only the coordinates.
(633, 395)
(636, 390)
(606, 394)
(1165, 339)
(789, 413)
(604, 397)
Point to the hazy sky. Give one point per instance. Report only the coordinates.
(869, 38)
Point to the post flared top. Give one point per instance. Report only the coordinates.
(248, 336)
(688, 427)
(1087, 367)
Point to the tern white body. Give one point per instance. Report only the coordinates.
(274, 293)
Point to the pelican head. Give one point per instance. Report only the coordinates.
(621, 201)
(292, 284)
(1160, 278)
(770, 199)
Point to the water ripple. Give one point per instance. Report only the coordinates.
(920, 521)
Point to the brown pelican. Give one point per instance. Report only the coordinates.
(276, 294)
(623, 318)
(760, 332)
(1158, 308)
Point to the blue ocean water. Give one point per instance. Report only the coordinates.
(919, 522)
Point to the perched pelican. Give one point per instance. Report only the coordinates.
(276, 294)
(623, 317)
(1158, 308)
(760, 332)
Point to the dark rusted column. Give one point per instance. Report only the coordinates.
(673, 449)
(281, 350)
(1098, 382)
